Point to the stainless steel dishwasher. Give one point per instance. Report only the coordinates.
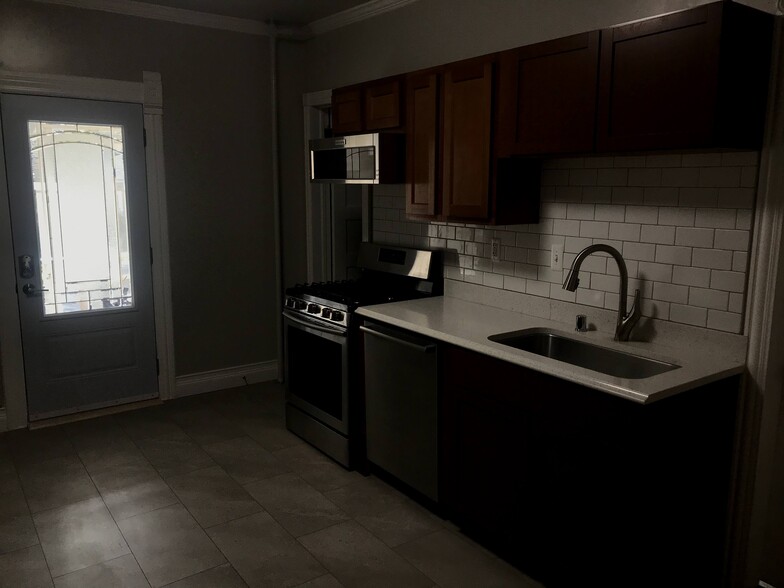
(401, 396)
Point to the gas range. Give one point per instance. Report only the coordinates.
(322, 340)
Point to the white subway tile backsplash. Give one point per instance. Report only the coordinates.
(681, 177)
(493, 280)
(655, 272)
(645, 176)
(724, 321)
(732, 239)
(748, 177)
(566, 227)
(613, 177)
(689, 315)
(716, 218)
(709, 298)
(576, 244)
(580, 211)
(740, 261)
(642, 214)
(627, 195)
(736, 302)
(594, 229)
(660, 196)
(743, 221)
(677, 216)
(537, 288)
(720, 177)
(712, 258)
(736, 197)
(664, 160)
(694, 237)
(701, 159)
(682, 221)
(553, 210)
(639, 251)
(583, 177)
(597, 194)
(691, 276)
(610, 212)
(670, 292)
(730, 281)
(625, 231)
(514, 283)
(698, 197)
(589, 297)
(658, 234)
(629, 161)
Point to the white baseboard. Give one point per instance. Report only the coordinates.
(232, 377)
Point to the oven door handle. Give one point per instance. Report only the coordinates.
(311, 325)
(421, 348)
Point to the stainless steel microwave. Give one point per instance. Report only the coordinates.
(376, 158)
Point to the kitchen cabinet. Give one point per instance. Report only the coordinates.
(577, 486)
(452, 171)
(547, 97)
(467, 133)
(347, 111)
(691, 79)
(422, 143)
(368, 107)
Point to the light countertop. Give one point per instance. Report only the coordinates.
(468, 324)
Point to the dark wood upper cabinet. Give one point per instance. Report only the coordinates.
(382, 105)
(467, 136)
(347, 111)
(368, 107)
(690, 79)
(422, 123)
(547, 97)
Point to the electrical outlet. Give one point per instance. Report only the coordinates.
(556, 257)
(495, 249)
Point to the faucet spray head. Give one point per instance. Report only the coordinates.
(572, 280)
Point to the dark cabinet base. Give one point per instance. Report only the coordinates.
(577, 487)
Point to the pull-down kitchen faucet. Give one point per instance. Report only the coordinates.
(625, 322)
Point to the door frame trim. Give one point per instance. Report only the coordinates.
(148, 93)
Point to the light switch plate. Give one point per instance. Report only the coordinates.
(556, 257)
(495, 249)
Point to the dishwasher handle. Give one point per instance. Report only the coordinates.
(428, 348)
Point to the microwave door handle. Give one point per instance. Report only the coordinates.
(311, 325)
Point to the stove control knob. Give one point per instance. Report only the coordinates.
(326, 313)
(300, 305)
(313, 308)
(289, 303)
(337, 316)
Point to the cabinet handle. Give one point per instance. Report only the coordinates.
(428, 348)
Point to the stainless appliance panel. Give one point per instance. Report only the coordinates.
(358, 159)
(401, 396)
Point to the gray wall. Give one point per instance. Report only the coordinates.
(217, 149)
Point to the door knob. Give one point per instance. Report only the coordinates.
(31, 290)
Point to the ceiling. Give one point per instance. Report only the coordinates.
(284, 12)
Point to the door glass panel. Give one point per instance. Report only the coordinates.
(81, 215)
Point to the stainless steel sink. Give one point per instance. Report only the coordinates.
(580, 353)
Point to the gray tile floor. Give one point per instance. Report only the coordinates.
(212, 491)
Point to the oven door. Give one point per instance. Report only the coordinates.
(317, 370)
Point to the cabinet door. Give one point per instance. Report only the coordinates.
(467, 130)
(382, 105)
(347, 111)
(547, 96)
(422, 144)
(658, 81)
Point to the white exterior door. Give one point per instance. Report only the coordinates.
(78, 201)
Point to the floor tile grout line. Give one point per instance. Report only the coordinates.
(37, 534)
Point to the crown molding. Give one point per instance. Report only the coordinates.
(167, 13)
(356, 14)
